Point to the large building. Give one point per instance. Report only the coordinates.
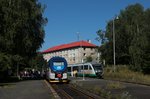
(75, 52)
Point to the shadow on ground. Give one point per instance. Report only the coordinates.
(14, 79)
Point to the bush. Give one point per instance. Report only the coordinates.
(124, 74)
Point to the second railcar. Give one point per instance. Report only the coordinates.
(86, 69)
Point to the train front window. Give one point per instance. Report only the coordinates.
(97, 67)
(85, 67)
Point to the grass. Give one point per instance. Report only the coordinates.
(104, 93)
(124, 95)
(107, 92)
(7, 85)
(124, 74)
(114, 85)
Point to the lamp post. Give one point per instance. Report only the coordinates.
(78, 36)
(82, 60)
(83, 70)
(114, 50)
(81, 57)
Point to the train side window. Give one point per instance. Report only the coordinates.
(85, 67)
(76, 68)
(81, 67)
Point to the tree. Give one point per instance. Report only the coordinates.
(101, 36)
(132, 38)
(21, 30)
(89, 59)
(38, 62)
(146, 49)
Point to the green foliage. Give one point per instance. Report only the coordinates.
(107, 52)
(5, 62)
(115, 85)
(124, 74)
(132, 40)
(21, 31)
(38, 62)
(89, 59)
(101, 36)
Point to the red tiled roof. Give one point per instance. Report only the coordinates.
(70, 45)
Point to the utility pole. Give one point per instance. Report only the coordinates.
(114, 45)
(81, 57)
(78, 38)
(114, 54)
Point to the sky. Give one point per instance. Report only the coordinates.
(69, 18)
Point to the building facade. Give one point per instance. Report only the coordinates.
(75, 52)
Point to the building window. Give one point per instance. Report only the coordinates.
(92, 53)
(73, 55)
(74, 59)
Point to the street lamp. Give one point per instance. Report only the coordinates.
(78, 36)
(83, 69)
(114, 50)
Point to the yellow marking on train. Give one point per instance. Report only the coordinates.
(58, 81)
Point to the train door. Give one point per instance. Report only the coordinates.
(84, 69)
(79, 70)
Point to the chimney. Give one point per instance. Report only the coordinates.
(89, 40)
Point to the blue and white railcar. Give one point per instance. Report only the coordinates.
(57, 70)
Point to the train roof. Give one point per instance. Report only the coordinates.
(93, 63)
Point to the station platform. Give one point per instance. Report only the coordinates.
(29, 89)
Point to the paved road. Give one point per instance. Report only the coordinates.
(30, 89)
(135, 90)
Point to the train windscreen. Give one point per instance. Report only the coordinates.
(97, 66)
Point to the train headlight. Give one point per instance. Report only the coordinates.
(98, 71)
(59, 75)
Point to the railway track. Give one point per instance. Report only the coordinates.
(67, 91)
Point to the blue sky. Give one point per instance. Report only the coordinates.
(67, 17)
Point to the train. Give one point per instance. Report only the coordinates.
(57, 70)
(86, 69)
